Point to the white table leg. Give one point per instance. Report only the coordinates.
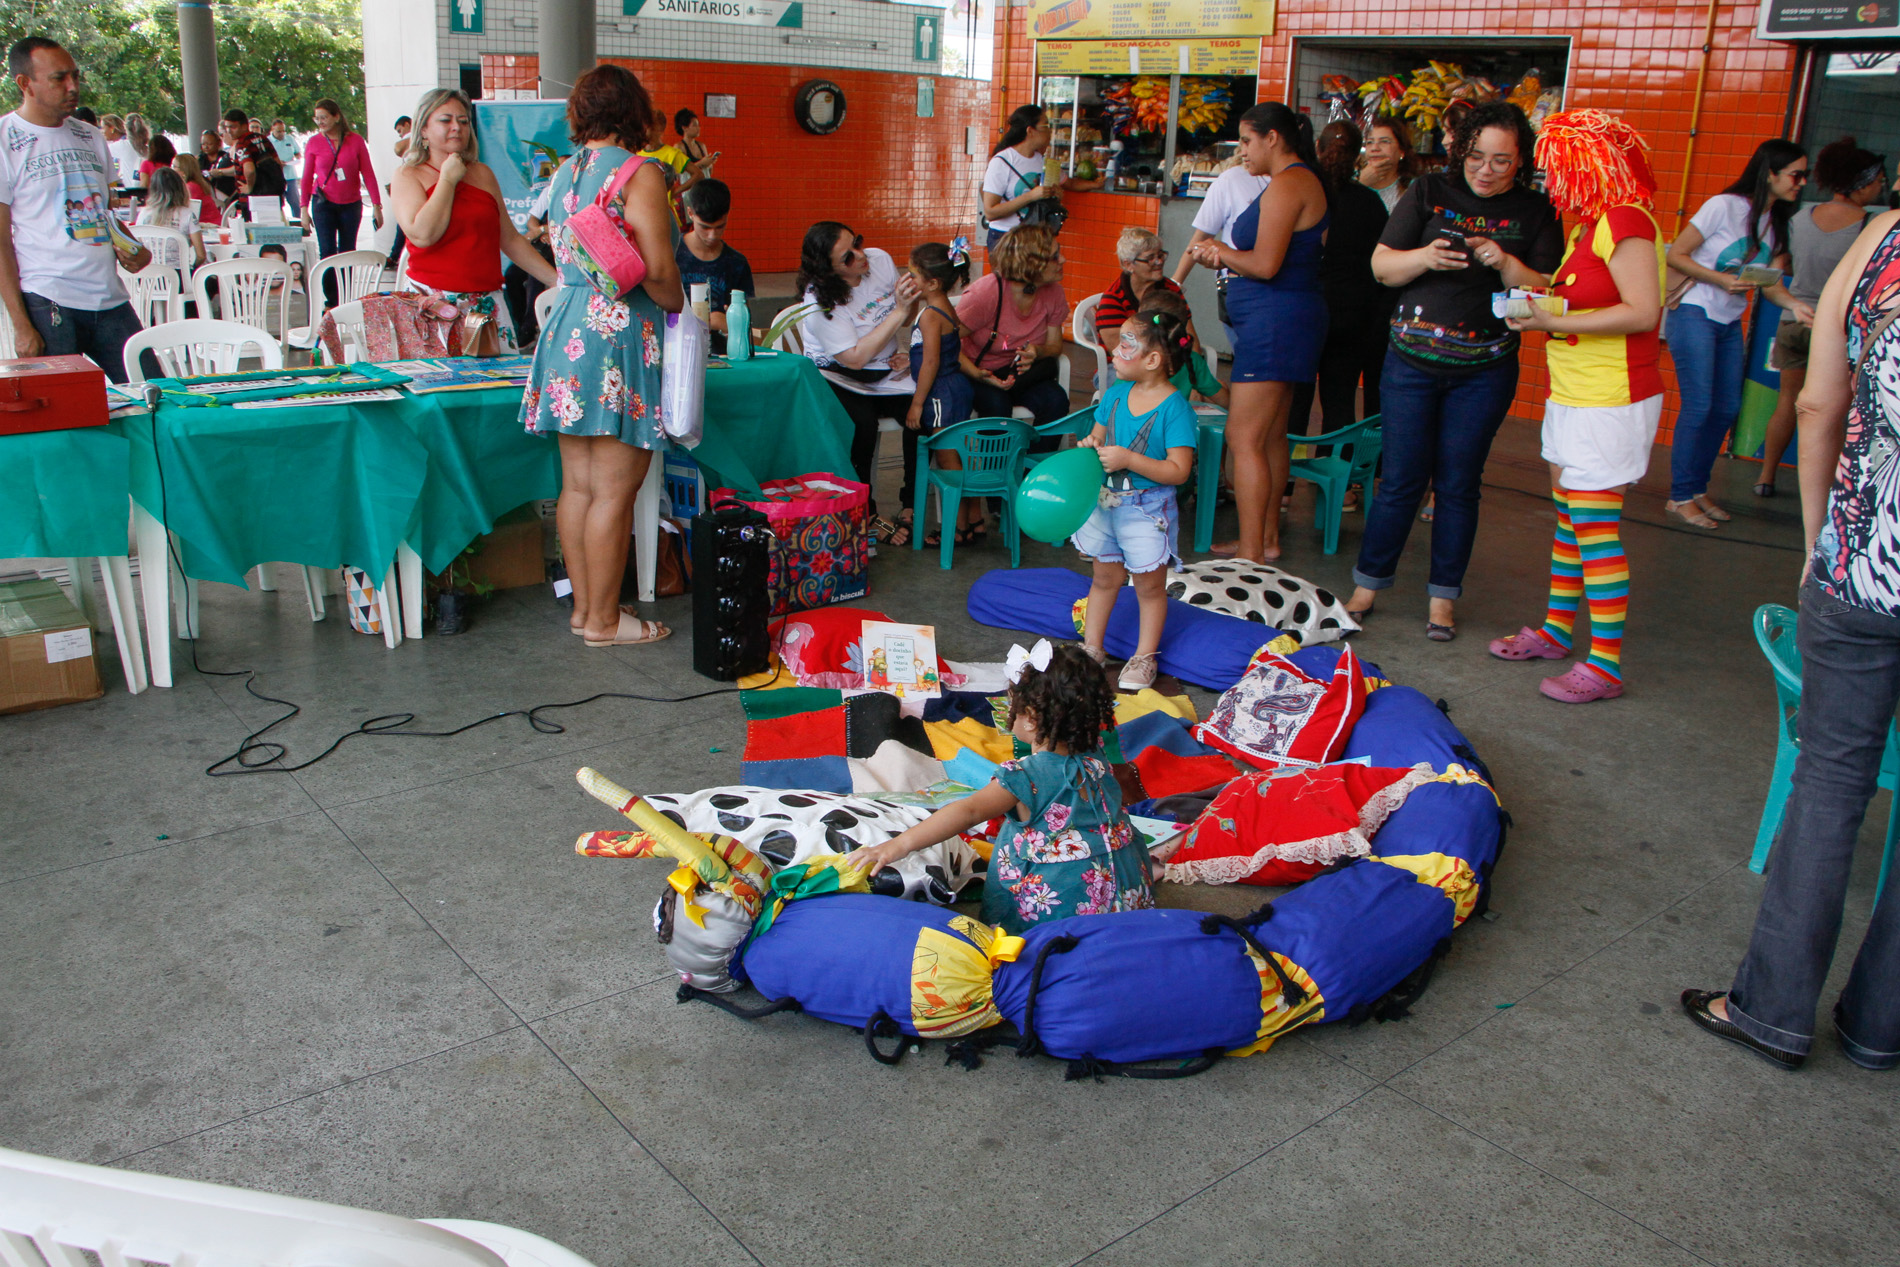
(79, 576)
(388, 610)
(155, 580)
(116, 574)
(263, 579)
(409, 574)
(646, 528)
(313, 588)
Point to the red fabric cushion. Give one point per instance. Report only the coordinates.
(1276, 714)
(819, 734)
(1264, 829)
(817, 646)
(1164, 773)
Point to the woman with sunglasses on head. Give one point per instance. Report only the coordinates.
(1144, 264)
(1455, 238)
(1819, 237)
(1746, 225)
(864, 306)
(1013, 317)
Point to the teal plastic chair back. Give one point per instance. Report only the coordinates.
(1329, 461)
(991, 451)
(1775, 628)
(1077, 424)
(1210, 431)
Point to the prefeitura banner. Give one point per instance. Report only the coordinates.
(523, 142)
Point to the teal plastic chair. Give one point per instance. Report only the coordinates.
(1775, 632)
(1077, 424)
(992, 452)
(1335, 462)
(1210, 431)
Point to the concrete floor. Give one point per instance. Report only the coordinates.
(388, 981)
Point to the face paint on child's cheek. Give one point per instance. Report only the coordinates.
(1128, 348)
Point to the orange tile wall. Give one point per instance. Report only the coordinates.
(892, 176)
(1637, 59)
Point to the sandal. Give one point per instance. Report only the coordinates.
(1712, 510)
(1580, 685)
(1430, 508)
(1764, 490)
(961, 537)
(1692, 515)
(900, 531)
(645, 631)
(1440, 633)
(1362, 613)
(1528, 644)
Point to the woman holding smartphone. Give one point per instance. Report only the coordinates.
(1726, 251)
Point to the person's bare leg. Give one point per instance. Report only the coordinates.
(1247, 424)
(619, 470)
(1780, 425)
(1361, 601)
(570, 517)
(1107, 586)
(1151, 590)
(1279, 462)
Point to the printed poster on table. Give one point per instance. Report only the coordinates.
(1148, 19)
(901, 660)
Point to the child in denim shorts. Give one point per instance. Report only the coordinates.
(1145, 433)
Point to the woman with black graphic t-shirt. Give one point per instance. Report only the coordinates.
(1454, 239)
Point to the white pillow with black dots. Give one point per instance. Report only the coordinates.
(1254, 591)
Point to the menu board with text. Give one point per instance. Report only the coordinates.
(1148, 19)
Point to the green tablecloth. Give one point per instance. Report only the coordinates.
(62, 493)
(771, 417)
(482, 464)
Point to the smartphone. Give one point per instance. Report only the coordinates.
(1455, 240)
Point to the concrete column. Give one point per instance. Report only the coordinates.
(565, 32)
(198, 64)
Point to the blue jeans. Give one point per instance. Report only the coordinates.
(1850, 685)
(100, 335)
(1047, 400)
(1438, 433)
(1708, 358)
(336, 224)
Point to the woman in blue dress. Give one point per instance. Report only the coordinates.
(596, 379)
(1277, 312)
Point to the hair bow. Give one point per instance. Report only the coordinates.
(959, 249)
(1036, 658)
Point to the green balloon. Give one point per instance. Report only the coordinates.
(1059, 494)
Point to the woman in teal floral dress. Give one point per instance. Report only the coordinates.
(596, 379)
(1065, 848)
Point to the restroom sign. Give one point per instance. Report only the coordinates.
(465, 17)
(927, 37)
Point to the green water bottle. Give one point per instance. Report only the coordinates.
(738, 329)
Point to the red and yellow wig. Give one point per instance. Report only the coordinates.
(1594, 161)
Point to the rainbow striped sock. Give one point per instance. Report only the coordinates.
(1606, 576)
(1566, 575)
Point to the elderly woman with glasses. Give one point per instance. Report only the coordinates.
(1144, 264)
(858, 334)
(1455, 238)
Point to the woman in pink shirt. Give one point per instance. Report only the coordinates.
(336, 172)
(1014, 317)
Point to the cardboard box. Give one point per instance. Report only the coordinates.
(510, 556)
(45, 649)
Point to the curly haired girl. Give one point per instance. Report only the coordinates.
(1065, 847)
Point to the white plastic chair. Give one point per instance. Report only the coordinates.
(357, 273)
(65, 1214)
(157, 293)
(349, 328)
(168, 246)
(246, 288)
(199, 346)
(6, 334)
(1083, 328)
(543, 305)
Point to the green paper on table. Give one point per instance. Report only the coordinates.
(280, 384)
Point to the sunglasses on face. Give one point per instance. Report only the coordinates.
(854, 253)
(1799, 178)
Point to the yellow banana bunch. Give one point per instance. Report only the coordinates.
(1427, 95)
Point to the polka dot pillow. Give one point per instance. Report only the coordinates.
(1256, 592)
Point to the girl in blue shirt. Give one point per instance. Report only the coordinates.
(1145, 433)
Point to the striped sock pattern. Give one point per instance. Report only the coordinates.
(1597, 519)
(1566, 575)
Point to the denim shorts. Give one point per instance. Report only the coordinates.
(1141, 534)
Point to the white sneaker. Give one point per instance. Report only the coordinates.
(1138, 674)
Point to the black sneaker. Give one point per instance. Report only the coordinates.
(1696, 1004)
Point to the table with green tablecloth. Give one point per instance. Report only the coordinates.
(63, 495)
(771, 417)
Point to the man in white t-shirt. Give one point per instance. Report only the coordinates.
(58, 265)
(1232, 192)
(289, 150)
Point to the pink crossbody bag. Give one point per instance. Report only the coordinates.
(600, 247)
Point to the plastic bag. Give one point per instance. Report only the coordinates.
(683, 378)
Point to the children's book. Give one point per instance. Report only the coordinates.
(463, 373)
(901, 660)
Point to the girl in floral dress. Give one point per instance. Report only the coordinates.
(596, 379)
(1065, 847)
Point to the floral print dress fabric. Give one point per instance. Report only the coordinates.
(1077, 854)
(597, 365)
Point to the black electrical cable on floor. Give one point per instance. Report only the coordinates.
(257, 755)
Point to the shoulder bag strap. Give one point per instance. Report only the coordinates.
(996, 323)
(611, 190)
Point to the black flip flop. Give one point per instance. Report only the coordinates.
(1764, 490)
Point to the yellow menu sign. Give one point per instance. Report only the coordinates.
(1232, 56)
(1148, 19)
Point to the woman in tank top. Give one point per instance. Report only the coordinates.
(450, 209)
(1819, 237)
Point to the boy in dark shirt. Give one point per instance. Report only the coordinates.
(703, 255)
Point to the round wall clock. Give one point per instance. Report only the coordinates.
(819, 107)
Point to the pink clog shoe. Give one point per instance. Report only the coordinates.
(1528, 644)
(1580, 685)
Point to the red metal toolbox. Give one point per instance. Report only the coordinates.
(51, 393)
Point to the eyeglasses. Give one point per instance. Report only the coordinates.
(1499, 163)
(1152, 257)
(1799, 178)
(853, 253)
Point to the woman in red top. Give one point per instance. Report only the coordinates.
(336, 175)
(160, 154)
(450, 209)
(196, 184)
